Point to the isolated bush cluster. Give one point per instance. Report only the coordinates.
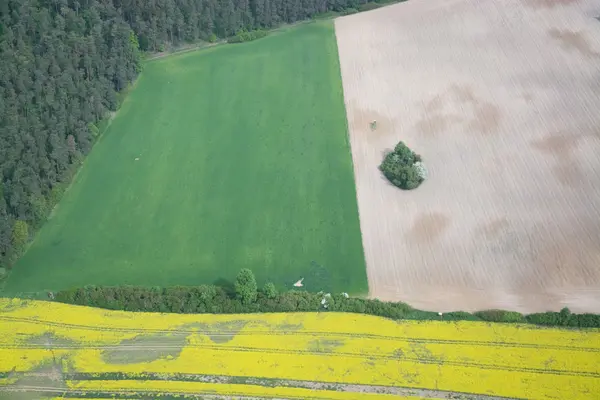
(245, 298)
(403, 167)
(349, 11)
(247, 36)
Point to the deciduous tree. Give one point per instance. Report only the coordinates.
(245, 286)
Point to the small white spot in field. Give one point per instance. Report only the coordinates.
(137, 159)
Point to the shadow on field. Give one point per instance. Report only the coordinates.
(226, 285)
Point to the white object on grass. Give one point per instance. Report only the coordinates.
(299, 283)
(345, 294)
(137, 159)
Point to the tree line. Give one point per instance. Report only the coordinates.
(62, 65)
(244, 296)
(161, 22)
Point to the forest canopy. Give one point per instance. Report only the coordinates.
(62, 64)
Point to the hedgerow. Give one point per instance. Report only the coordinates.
(368, 6)
(217, 300)
(247, 36)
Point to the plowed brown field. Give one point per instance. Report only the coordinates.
(502, 100)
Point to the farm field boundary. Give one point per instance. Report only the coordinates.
(104, 123)
(217, 300)
(329, 15)
(166, 389)
(499, 99)
(210, 166)
(334, 355)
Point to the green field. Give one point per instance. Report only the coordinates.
(242, 161)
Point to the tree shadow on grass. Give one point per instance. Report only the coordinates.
(226, 285)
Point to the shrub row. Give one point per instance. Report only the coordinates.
(369, 6)
(247, 36)
(355, 8)
(218, 300)
(349, 11)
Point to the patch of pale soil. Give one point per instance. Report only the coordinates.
(47, 376)
(145, 349)
(501, 99)
(219, 332)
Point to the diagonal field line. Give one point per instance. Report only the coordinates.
(369, 356)
(303, 333)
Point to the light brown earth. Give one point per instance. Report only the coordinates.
(502, 100)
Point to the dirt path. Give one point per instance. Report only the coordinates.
(501, 99)
(205, 45)
(407, 392)
(183, 49)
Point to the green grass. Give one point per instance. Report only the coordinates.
(243, 162)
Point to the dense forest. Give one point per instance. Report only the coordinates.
(62, 65)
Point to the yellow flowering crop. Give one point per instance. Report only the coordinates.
(517, 361)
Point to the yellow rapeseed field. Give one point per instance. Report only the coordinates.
(150, 352)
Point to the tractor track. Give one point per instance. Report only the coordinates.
(299, 333)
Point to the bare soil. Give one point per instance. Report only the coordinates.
(502, 100)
